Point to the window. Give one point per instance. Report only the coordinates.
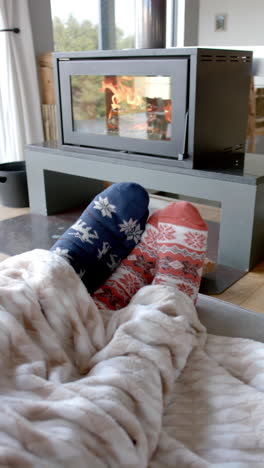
(76, 24)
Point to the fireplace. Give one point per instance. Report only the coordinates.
(186, 107)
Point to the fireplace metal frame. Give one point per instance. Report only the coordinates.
(216, 94)
(167, 148)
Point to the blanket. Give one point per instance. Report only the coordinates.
(145, 386)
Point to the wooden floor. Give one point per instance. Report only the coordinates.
(248, 292)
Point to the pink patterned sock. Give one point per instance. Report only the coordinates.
(181, 244)
(135, 271)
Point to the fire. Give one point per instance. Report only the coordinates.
(122, 93)
(148, 99)
(167, 112)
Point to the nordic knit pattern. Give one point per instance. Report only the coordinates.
(134, 272)
(171, 251)
(181, 246)
(105, 233)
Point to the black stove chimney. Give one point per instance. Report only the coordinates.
(150, 24)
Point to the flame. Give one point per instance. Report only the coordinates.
(124, 94)
(121, 93)
(167, 112)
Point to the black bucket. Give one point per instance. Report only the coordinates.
(13, 184)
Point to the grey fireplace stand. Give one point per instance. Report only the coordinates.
(53, 189)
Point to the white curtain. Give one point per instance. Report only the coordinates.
(20, 109)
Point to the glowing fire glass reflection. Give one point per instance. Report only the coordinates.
(125, 106)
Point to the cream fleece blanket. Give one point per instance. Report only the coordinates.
(145, 387)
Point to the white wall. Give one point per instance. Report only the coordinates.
(245, 22)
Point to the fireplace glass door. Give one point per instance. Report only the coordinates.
(137, 105)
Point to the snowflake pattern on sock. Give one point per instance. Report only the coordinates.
(106, 208)
(134, 272)
(106, 232)
(140, 261)
(150, 239)
(178, 265)
(188, 268)
(82, 231)
(114, 262)
(104, 250)
(115, 302)
(132, 229)
(182, 244)
(195, 240)
(63, 253)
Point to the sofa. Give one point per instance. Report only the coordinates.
(224, 319)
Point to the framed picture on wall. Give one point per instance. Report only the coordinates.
(220, 22)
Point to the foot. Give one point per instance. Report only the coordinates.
(182, 243)
(105, 233)
(135, 271)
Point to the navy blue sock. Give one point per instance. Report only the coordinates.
(106, 232)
